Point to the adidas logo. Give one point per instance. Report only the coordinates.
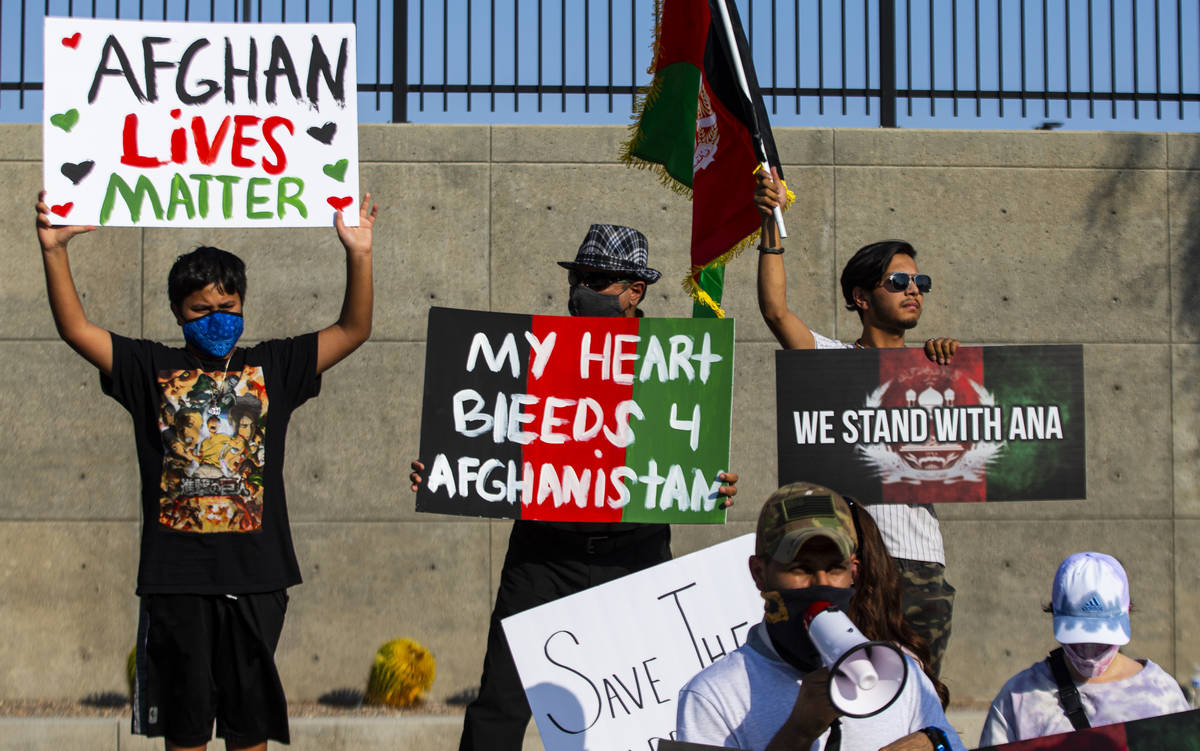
(1093, 605)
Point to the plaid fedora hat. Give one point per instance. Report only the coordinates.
(611, 247)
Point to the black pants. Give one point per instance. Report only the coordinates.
(545, 562)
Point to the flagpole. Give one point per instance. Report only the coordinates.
(727, 25)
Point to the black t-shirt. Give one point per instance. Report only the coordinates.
(210, 441)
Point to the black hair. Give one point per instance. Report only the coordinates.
(858, 532)
(866, 267)
(204, 266)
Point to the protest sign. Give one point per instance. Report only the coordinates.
(602, 668)
(170, 124)
(889, 426)
(1179, 732)
(575, 419)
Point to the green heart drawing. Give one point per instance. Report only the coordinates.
(337, 170)
(66, 120)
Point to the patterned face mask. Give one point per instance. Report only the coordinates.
(214, 334)
(784, 611)
(1090, 660)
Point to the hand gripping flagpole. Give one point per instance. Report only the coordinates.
(736, 52)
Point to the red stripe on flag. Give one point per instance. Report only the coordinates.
(915, 380)
(723, 211)
(563, 379)
(683, 33)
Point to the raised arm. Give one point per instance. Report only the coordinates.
(92, 342)
(353, 326)
(772, 280)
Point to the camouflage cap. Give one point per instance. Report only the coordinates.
(796, 513)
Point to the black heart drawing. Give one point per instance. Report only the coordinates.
(324, 134)
(76, 172)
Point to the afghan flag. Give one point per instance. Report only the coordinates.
(575, 419)
(1178, 732)
(703, 131)
(889, 426)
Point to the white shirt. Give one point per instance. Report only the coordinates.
(742, 700)
(909, 530)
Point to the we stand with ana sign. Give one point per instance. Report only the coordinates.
(888, 426)
(576, 419)
(200, 124)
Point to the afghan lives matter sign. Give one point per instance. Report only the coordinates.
(575, 419)
(200, 124)
(602, 668)
(889, 426)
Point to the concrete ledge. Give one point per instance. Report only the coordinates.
(428, 733)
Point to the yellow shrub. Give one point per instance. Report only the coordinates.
(401, 675)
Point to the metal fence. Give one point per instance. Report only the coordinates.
(1133, 64)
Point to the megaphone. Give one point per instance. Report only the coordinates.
(865, 676)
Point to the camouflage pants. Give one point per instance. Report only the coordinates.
(928, 601)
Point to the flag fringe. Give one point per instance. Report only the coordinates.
(642, 101)
(692, 287)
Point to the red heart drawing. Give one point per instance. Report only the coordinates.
(62, 209)
(340, 203)
(71, 41)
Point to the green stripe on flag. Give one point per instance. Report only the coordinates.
(671, 104)
(712, 282)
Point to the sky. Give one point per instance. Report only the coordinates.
(458, 42)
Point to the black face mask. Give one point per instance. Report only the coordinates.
(588, 302)
(784, 618)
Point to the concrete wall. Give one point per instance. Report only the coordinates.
(1032, 238)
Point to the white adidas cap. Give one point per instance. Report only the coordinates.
(1090, 600)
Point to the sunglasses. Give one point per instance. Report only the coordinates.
(898, 281)
(593, 280)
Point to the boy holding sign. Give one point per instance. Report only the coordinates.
(881, 283)
(210, 420)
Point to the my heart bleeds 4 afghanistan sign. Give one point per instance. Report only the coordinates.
(889, 426)
(155, 123)
(576, 419)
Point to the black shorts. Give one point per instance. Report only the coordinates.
(206, 657)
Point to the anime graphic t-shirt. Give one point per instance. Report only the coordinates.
(210, 438)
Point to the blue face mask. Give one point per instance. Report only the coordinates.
(214, 334)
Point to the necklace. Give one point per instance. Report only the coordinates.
(214, 402)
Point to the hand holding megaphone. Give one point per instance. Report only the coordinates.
(865, 676)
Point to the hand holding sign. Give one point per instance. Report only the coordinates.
(53, 236)
(941, 349)
(357, 239)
